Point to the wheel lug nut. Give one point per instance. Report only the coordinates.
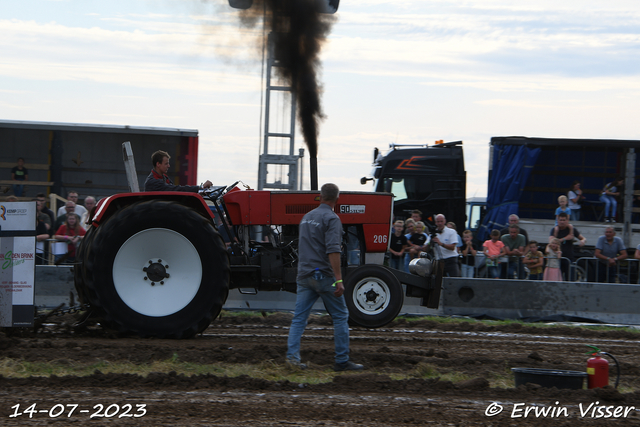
(153, 284)
(146, 278)
(162, 282)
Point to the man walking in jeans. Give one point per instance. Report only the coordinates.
(319, 276)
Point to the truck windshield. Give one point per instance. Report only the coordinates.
(408, 188)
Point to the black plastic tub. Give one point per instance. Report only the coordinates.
(550, 377)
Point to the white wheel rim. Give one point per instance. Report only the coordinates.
(371, 296)
(165, 247)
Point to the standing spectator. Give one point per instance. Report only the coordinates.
(42, 216)
(563, 202)
(71, 232)
(609, 194)
(515, 220)
(19, 174)
(575, 198)
(445, 244)
(452, 225)
(42, 234)
(416, 215)
(514, 244)
(40, 197)
(609, 250)
(410, 226)
(566, 233)
(320, 276)
(493, 249)
(553, 253)
(89, 204)
(69, 208)
(397, 245)
(418, 241)
(468, 252)
(73, 197)
(534, 260)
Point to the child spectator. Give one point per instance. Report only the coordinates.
(534, 259)
(493, 250)
(72, 232)
(409, 225)
(553, 253)
(397, 245)
(468, 251)
(563, 202)
(419, 240)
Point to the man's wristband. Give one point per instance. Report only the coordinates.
(336, 282)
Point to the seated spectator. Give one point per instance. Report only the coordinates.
(72, 233)
(563, 202)
(493, 249)
(397, 245)
(552, 272)
(469, 251)
(609, 196)
(534, 260)
(575, 197)
(609, 250)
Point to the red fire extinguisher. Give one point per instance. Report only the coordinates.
(598, 369)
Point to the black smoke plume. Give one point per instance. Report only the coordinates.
(299, 31)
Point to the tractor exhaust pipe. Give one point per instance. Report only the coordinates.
(313, 171)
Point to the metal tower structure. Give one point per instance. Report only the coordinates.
(274, 159)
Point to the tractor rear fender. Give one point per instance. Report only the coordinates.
(109, 205)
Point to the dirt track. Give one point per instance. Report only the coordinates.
(482, 353)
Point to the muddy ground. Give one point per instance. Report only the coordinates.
(483, 353)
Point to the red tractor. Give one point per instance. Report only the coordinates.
(156, 264)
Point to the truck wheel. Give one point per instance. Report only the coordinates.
(374, 296)
(158, 269)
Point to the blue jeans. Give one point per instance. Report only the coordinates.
(18, 190)
(609, 202)
(407, 260)
(467, 270)
(575, 214)
(309, 290)
(397, 263)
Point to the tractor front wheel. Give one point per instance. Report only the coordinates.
(373, 295)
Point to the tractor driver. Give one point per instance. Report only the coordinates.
(159, 181)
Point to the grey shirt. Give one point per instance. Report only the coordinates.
(610, 250)
(320, 234)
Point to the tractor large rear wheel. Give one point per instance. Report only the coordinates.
(157, 269)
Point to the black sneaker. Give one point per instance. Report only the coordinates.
(347, 366)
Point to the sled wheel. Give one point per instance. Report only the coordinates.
(157, 269)
(374, 296)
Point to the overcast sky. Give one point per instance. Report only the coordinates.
(409, 72)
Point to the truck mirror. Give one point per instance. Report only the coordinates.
(240, 4)
(322, 6)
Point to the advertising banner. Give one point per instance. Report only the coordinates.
(17, 263)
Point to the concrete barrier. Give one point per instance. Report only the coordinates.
(537, 300)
